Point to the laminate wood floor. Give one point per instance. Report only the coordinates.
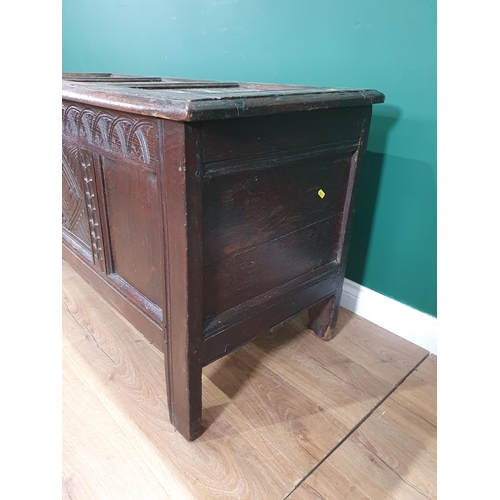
(287, 415)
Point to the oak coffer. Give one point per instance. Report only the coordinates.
(207, 212)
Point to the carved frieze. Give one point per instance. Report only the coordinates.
(116, 135)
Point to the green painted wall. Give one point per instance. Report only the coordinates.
(389, 45)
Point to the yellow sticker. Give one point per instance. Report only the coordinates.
(321, 193)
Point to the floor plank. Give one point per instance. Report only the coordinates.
(98, 459)
(392, 455)
(271, 411)
(419, 392)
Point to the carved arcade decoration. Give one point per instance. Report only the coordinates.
(115, 135)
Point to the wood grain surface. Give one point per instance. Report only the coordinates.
(121, 92)
(272, 411)
(248, 208)
(392, 455)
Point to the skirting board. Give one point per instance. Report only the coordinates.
(404, 321)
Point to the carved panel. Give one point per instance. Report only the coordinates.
(80, 215)
(116, 135)
(74, 214)
(92, 209)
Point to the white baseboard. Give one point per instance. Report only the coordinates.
(404, 321)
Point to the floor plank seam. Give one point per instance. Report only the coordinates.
(73, 316)
(265, 438)
(358, 425)
(395, 472)
(90, 333)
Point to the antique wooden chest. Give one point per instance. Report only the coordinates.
(207, 212)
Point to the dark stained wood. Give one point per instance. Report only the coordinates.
(134, 218)
(100, 195)
(262, 135)
(238, 334)
(215, 104)
(80, 210)
(107, 78)
(181, 204)
(162, 85)
(352, 187)
(244, 209)
(206, 212)
(137, 298)
(132, 139)
(71, 76)
(74, 211)
(88, 163)
(134, 81)
(255, 306)
(239, 278)
(323, 318)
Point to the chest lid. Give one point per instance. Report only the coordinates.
(195, 100)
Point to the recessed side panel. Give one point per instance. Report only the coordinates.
(134, 227)
(239, 278)
(276, 193)
(249, 207)
(233, 334)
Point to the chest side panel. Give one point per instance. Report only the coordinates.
(276, 192)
